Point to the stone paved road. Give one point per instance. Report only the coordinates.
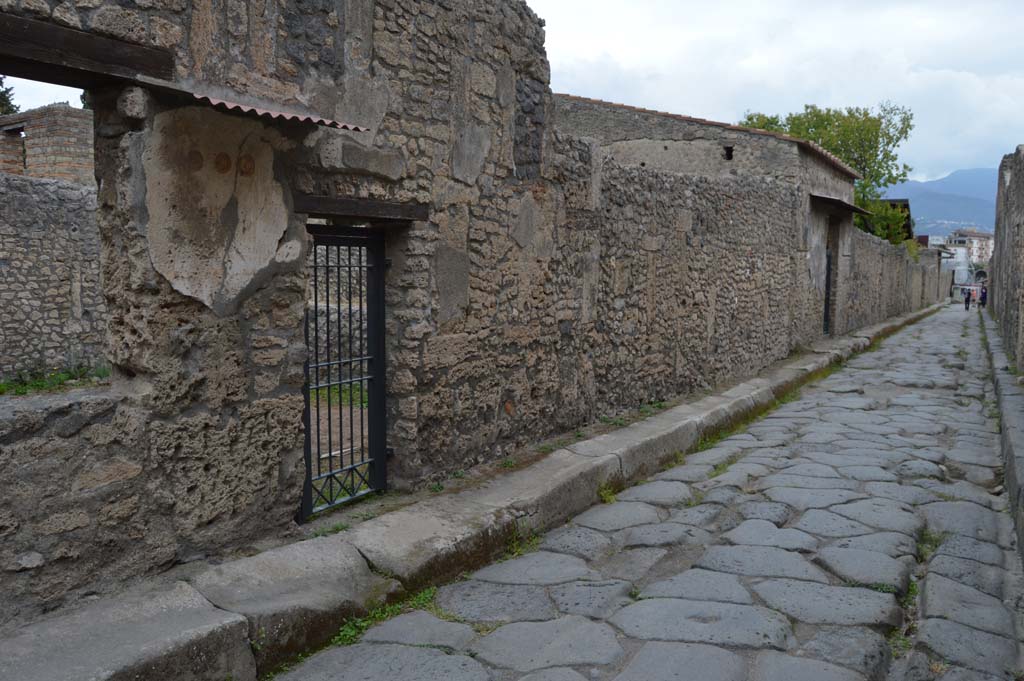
(864, 517)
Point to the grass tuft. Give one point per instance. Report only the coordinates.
(330, 529)
(51, 381)
(606, 493)
(353, 629)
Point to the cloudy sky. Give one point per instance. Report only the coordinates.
(958, 64)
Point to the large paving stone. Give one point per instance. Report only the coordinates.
(969, 647)
(959, 546)
(420, 628)
(942, 597)
(477, 601)
(919, 469)
(701, 585)
(659, 493)
(824, 604)
(658, 661)
(385, 661)
(542, 568)
(772, 511)
(961, 674)
(782, 480)
(578, 541)
(688, 473)
(892, 544)
(618, 516)
(669, 619)
(661, 534)
(699, 516)
(974, 455)
(858, 648)
(168, 632)
(908, 494)
(884, 514)
(555, 674)
(962, 517)
(803, 499)
(867, 474)
(592, 599)
(764, 533)
(760, 561)
(773, 666)
(840, 461)
(565, 642)
(814, 470)
(865, 567)
(631, 564)
(963, 491)
(826, 524)
(295, 595)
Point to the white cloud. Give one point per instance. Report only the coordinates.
(958, 66)
(28, 94)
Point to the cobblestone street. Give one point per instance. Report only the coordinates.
(856, 532)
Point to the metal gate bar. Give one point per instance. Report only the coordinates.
(345, 370)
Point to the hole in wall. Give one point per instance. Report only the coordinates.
(727, 152)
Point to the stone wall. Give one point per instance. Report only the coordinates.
(554, 282)
(879, 281)
(52, 309)
(53, 141)
(1006, 277)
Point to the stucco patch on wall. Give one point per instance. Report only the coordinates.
(217, 213)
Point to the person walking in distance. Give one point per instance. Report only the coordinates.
(967, 299)
(983, 300)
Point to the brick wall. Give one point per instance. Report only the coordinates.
(53, 141)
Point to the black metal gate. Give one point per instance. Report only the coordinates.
(345, 369)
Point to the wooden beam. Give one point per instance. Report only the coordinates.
(369, 209)
(55, 54)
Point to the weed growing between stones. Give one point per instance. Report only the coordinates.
(53, 381)
(696, 498)
(353, 629)
(519, 545)
(723, 466)
(617, 421)
(900, 644)
(435, 488)
(928, 544)
(606, 493)
(909, 599)
(330, 529)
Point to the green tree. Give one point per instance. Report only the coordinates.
(7, 105)
(866, 139)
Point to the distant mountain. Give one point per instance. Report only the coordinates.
(964, 198)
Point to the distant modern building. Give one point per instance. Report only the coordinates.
(959, 263)
(980, 245)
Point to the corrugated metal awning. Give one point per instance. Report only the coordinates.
(225, 105)
(834, 203)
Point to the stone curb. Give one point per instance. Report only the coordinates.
(293, 598)
(1010, 401)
